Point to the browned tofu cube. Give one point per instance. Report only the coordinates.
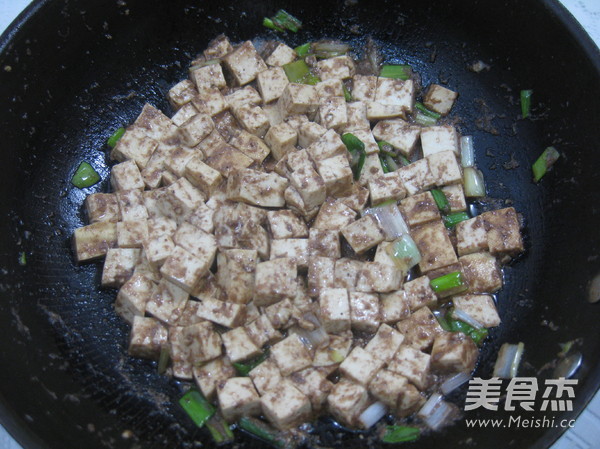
(361, 365)
(385, 343)
(102, 207)
(454, 352)
(211, 374)
(346, 273)
(420, 328)
(94, 240)
(236, 273)
(394, 306)
(265, 376)
(284, 224)
(118, 266)
(335, 310)
(285, 406)
(471, 236)
(434, 245)
(479, 307)
(364, 234)
(324, 243)
(239, 346)
(314, 384)
(419, 293)
(364, 311)
(275, 280)
(244, 63)
(439, 99)
(379, 277)
(347, 401)
(291, 355)
(482, 272)
(227, 159)
(334, 215)
(237, 398)
(321, 274)
(147, 337)
(503, 232)
(388, 186)
(412, 364)
(419, 209)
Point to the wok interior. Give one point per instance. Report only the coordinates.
(79, 70)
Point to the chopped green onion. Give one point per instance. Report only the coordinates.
(387, 163)
(85, 176)
(262, 431)
(421, 107)
(270, 24)
(526, 102)
(197, 407)
(244, 368)
(565, 347)
(219, 429)
(404, 252)
(22, 259)
(347, 94)
(327, 49)
(163, 359)
(400, 434)
(399, 71)
(441, 319)
(284, 19)
(302, 50)
(425, 120)
(467, 151)
(388, 148)
(477, 335)
(440, 199)
(336, 356)
(356, 148)
(544, 162)
(508, 361)
(447, 282)
(474, 184)
(452, 220)
(112, 140)
(299, 72)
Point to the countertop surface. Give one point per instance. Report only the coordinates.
(586, 432)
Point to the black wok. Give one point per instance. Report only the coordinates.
(73, 71)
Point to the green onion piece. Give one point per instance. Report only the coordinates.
(400, 434)
(440, 199)
(197, 407)
(388, 164)
(384, 164)
(336, 356)
(296, 70)
(477, 335)
(356, 148)
(352, 142)
(405, 253)
(446, 282)
(526, 102)
(474, 182)
(163, 359)
(441, 318)
(327, 49)
(347, 94)
(219, 429)
(452, 220)
(22, 259)
(565, 347)
(544, 162)
(270, 24)
(386, 147)
(112, 140)
(244, 368)
(85, 176)
(425, 120)
(398, 71)
(302, 50)
(284, 19)
(310, 79)
(262, 431)
(421, 107)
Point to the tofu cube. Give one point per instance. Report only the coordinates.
(434, 245)
(310, 186)
(202, 176)
(385, 343)
(126, 176)
(244, 63)
(296, 120)
(209, 75)
(285, 406)
(371, 170)
(435, 139)
(333, 216)
(357, 116)
(252, 118)
(223, 313)
(102, 207)
(238, 398)
(195, 129)
(266, 376)
(274, 281)
(279, 313)
(271, 83)
(134, 145)
(445, 168)
(202, 218)
(236, 272)
(296, 249)
(387, 387)
(241, 96)
(453, 352)
(347, 401)
(364, 87)
(321, 271)
(335, 310)
(94, 240)
(154, 124)
(386, 187)
(167, 302)
(420, 328)
(364, 311)
(417, 177)
(324, 243)
(133, 296)
(175, 162)
(239, 346)
(131, 234)
(284, 224)
(261, 331)
(338, 349)
(313, 384)
(281, 55)
(338, 67)
(333, 113)
(361, 366)
(398, 133)
(471, 236)
(180, 353)
(184, 268)
(480, 307)
(218, 47)
(211, 374)
(397, 93)
(394, 306)
(181, 93)
(419, 209)
(363, 234)
(330, 88)
(298, 99)
(412, 364)
(297, 160)
(379, 277)
(290, 355)
(118, 266)
(456, 197)
(419, 294)
(281, 139)
(186, 112)
(336, 174)
(482, 272)
(346, 273)
(257, 188)
(439, 99)
(503, 233)
(147, 337)
(180, 200)
(328, 145)
(227, 159)
(252, 146)
(131, 205)
(308, 133)
(294, 202)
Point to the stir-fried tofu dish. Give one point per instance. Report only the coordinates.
(294, 238)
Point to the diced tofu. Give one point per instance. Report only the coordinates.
(419, 294)
(181, 93)
(236, 272)
(134, 145)
(285, 406)
(314, 384)
(333, 113)
(118, 266)
(417, 176)
(445, 168)
(195, 129)
(394, 306)
(383, 253)
(308, 133)
(347, 401)
(238, 398)
(420, 328)
(201, 175)
(257, 188)
(387, 387)
(412, 364)
(224, 313)
(324, 243)
(298, 99)
(364, 87)
(147, 337)
(363, 234)
(261, 331)
(290, 355)
(361, 366)
(252, 146)
(244, 95)
(336, 174)
(479, 307)
(296, 120)
(203, 245)
(398, 133)
(503, 233)
(397, 93)
(274, 281)
(227, 159)
(330, 88)
(454, 352)
(218, 47)
(296, 249)
(180, 200)
(281, 55)
(226, 127)
(189, 312)
(94, 240)
(379, 277)
(358, 198)
(186, 112)
(385, 343)
(126, 176)
(357, 116)
(184, 268)
(202, 218)
(388, 186)
(364, 311)
(279, 313)
(294, 161)
(419, 209)
(159, 244)
(338, 349)
(144, 267)
(439, 99)
(339, 67)
(310, 186)
(102, 207)
(434, 245)
(131, 205)
(252, 118)
(209, 75)
(285, 224)
(334, 216)
(265, 376)
(456, 197)
(471, 236)
(482, 272)
(366, 136)
(154, 124)
(167, 302)
(180, 353)
(294, 202)
(346, 273)
(244, 63)
(208, 376)
(281, 139)
(271, 83)
(328, 145)
(133, 296)
(321, 271)
(239, 346)
(435, 139)
(371, 170)
(335, 310)
(131, 234)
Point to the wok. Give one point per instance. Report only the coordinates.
(73, 71)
